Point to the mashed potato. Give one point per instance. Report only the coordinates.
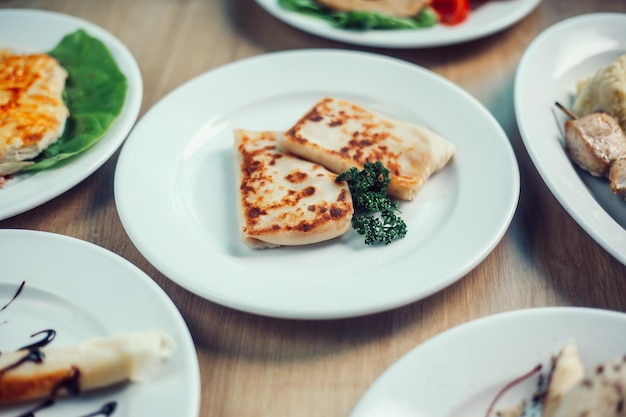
(604, 91)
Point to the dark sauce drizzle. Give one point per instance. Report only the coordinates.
(509, 386)
(106, 410)
(34, 350)
(19, 290)
(31, 413)
(71, 384)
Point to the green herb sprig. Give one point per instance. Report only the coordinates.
(375, 214)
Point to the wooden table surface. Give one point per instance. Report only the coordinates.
(259, 366)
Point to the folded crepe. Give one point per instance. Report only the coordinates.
(339, 135)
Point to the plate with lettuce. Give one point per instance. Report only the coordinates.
(103, 93)
(426, 29)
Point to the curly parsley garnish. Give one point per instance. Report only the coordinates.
(375, 214)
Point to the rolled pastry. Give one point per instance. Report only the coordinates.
(96, 363)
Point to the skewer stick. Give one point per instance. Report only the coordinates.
(566, 110)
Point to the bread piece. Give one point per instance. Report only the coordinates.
(339, 135)
(96, 363)
(285, 200)
(33, 114)
(567, 371)
(604, 91)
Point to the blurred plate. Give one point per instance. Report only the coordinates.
(460, 371)
(548, 72)
(84, 291)
(182, 214)
(31, 31)
(487, 18)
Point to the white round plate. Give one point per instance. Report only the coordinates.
(175, 191)
(548, 72)
(460, 371)
(84, 291)
(39, 31)
(486, 19)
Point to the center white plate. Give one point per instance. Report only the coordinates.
(84, 291)
(486, 19)
(175, 191)
(460, 372)
(548, 72)
(31, 31)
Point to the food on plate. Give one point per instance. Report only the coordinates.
(32, 111)
(284, 200)
(39, 371)
(604, 91)
(567, 371)
(617, 176)
(404, 8)
(375, 215)
(596, 142)
(573, 390)
(367, 14)
(338, 165)
(94, 93)
(339, 135)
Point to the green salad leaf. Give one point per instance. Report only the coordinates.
(356, 20)
(94, 93)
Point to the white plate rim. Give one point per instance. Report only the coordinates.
(17, 198)
(566, 185)
(134, 280)
(475, 27)
(516, 353)
(294, 302)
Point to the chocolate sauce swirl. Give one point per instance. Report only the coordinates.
(106, 410)
(34, 350)
(19, 290)
(31, 413)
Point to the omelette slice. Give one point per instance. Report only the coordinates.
(32, 111)
(73, 369)
(339, 135)
(285, 200)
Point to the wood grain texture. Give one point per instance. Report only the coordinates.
(257, 366)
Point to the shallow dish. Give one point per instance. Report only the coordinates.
(486, 19)
(31, 31)
(84, 291)
(460, 371)
(548, 72)
(182, 215)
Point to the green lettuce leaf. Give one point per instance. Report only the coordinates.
(94, 93)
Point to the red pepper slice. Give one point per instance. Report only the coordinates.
(451, 12)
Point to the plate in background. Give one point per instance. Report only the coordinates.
(461, 371)
(486, 19)
(548, 72)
